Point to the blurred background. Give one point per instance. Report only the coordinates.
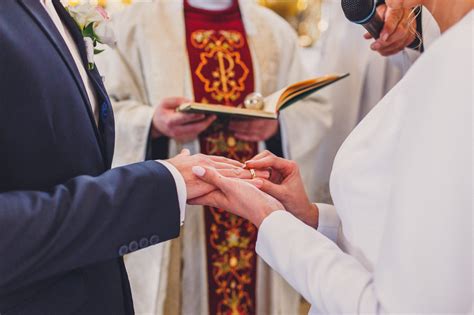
(310, 19)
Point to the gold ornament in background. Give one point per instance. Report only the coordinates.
(303, 15)
(105, 3)
(102, 3)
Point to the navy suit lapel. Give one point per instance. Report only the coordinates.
(106, 119)
(105, 133)
(42, 18)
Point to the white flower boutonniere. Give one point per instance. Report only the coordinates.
(93, 21)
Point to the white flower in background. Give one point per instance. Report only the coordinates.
(93, 21)
(106, 34)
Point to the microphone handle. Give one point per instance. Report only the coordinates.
(374, 26)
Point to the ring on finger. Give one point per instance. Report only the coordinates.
(253, 173)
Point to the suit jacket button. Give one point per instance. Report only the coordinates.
(154, 239)
(144, 243)
(123, 250)
(133, 246)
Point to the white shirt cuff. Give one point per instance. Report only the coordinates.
(329, 221)
(180, 188)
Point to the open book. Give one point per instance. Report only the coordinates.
(273, 103)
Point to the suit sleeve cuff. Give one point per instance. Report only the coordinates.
(180, 187)
(329, 221)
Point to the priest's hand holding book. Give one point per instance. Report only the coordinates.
(185, 127)
(182, 127)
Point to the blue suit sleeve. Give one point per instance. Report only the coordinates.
(84, 221)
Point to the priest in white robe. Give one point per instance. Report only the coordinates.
(403, 195)
(152, 63)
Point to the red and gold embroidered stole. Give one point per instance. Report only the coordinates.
(222, 73)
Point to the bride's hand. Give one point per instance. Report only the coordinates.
(195, 187)
(240, 197)
(285, 185)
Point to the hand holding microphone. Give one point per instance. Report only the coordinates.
(364, 12)
(393, 29)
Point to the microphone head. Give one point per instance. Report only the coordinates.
(358, 11)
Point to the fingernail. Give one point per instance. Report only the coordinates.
(375, 46)
(258, 183)
(385, 37)
(199, 171)
(266, 174)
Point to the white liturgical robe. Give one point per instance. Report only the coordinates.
(151, 63)
(402, 187)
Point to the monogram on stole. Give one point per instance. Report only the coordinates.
(224, 85)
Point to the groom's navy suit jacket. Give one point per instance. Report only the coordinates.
(65, 218)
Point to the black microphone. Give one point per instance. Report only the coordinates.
(363, 12)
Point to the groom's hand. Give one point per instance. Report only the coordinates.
(195, 186)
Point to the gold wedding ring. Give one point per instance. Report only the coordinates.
(253, 173)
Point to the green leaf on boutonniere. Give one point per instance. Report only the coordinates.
(88, 31)
(98, 51)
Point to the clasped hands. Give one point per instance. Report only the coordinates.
(227, 184)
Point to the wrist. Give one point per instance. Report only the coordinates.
(154, 132)
(311, 216)
(276, 129)
(263, 213)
